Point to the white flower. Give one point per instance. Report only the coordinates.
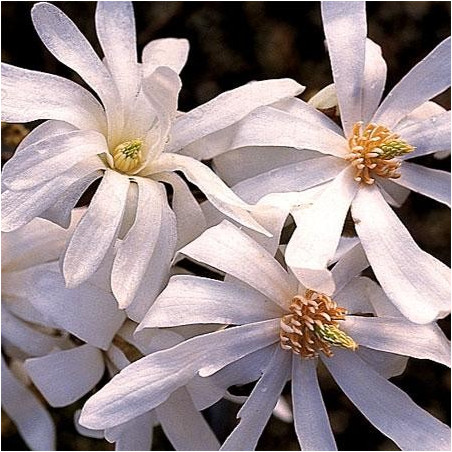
(130, 138)
(364, 166)
(288, 323)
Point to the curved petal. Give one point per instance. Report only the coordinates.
(386, 364)
(355, 296)
(311, 419)
(192, 299)
(227, 109)
(135, 434)
(387, 407)
(392, 192)
(184, 425)
(30, 95)
(397, 335)
(345, 30)
(97, 230)
(63, 377)
(430, 77)
(153, 378)
(228, 249)
(319, 229)
(115, 26)
(422, 291)
(258, 408)
(216, 191)
(429, 182)
(33, 421)
(170, 52)
(44, 160)
(135, 250)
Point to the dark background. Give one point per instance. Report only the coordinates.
(231, 44)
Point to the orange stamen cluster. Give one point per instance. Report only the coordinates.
(373, 152)
(312, 327)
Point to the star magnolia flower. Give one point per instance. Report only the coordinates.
(130, 138)
(294, 327)
(365, 163)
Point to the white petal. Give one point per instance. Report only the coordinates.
(88, 312)
(392, 192)
(422, 291)
(170, 52)
(156, 376)
(34, 423)
(354, 296)
(136, 434)
(158, 270)
(319, 229)
(387, 364)
(30, 95)
(134, 252)
(290, 178)
(97, 434)
(63, 377)
(43, 161)
(244, 163)
(184, 425)
(115, 26)
(20, 207)
(97, 229)
(388, 408)
(227, 109)
(429, 182)
(192, 299)
(227, 248)
(190, 217)
(345, 30)
(65, 41)
(311, 419)
(431, 76)
(258, 408)
(400, 336)
(427, 136)
(374, 80)
(216, 191)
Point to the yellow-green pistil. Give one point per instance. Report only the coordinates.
(312, 326)
(127, 156)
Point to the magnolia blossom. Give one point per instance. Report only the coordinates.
(362, 166)
(357, 333)
(130, 139)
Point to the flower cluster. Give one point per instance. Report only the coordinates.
(98, 302)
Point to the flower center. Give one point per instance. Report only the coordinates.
(127, 156)
(312, 326)
(373, 152)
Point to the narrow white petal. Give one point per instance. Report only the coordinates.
(318, 232)
(392, 192)
(258, 408)
(192, 299)
(30, 95)
(46, 159)
(374, 80)
(387, 407)
(20, 207)
(400, 336)
(136, 434)
(355, 297)
(170, 52)
(33, 421)
(97, 230)
(345, 30)
(184, 425)
(386, 364)
(431, 76)
(154, 377)
(427, 136)
(216, 191)
(228, 249)
(429, 182)
(190, 217)
(115, 26)
(97, 434)
(134, 252)
(63, 377)
(228, 108)
(311, 419)
(422, 291)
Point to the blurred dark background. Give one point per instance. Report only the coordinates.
(231, 44)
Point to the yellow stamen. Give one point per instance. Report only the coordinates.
(127, 156)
